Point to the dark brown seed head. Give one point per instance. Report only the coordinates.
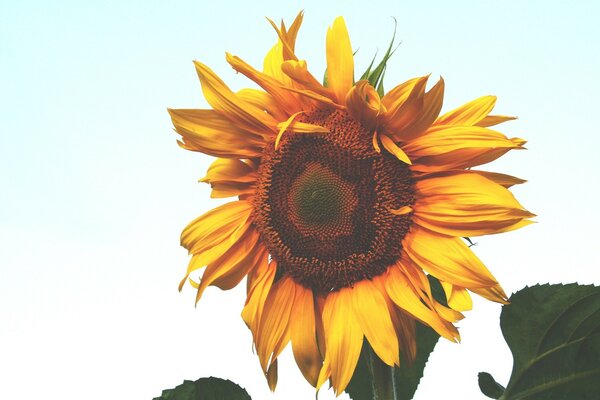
(323, 204)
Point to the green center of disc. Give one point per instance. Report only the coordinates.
(321, 202)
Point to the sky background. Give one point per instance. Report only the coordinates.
(95, 191)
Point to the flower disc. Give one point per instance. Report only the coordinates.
(323, 204)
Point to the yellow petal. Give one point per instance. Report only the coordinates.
(405, 329)
(420, 284)
(264, 101)
(458, 147)
(318, 98)
(211, 133)
(403, 295)
(222, 99)
(364, 104)
(230, 170)
(298, 72)
(291, 33)
(404, 325)
(494, 293)
(458, 297)
(230, 177)
(324, 374)
(501, 179)
(319, 306)
(492, 120)
(274, 58)
(367, 303)
(287, 46)
(340, 60)
(272, 64)
(274, 323)
(343, 336)
(272, 375)
(404, 106)
(304, 337)
(470, 113)
(260, 280)
(284, 126)
(447, 258)
(285, 99)
(292, 125)
(216, 226)
(394, 98)
(466, 204)
(195, 264)
(229, 269)
(375, 142)
(432, 104)
(394, 149)
(402, 210)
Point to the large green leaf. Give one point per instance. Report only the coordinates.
(553, 332)
(373, 380)
(205, 389)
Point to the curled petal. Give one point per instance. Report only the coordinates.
(364, 104)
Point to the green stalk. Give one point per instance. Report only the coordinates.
(383, 384)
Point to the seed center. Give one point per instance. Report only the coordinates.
(321, 202)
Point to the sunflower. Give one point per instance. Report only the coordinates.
(346, 200)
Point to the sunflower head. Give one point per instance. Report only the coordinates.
(347, 198)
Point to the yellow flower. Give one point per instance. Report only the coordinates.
(346, 201)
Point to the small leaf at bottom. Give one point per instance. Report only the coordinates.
(205, 389)
(489, 386)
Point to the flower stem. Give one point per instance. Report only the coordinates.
(383, 384)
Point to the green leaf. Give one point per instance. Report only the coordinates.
(375, 77)
(553, 332)
(205, 389)
(489, 386)
(372, 379)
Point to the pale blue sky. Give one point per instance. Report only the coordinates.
(95, 191)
